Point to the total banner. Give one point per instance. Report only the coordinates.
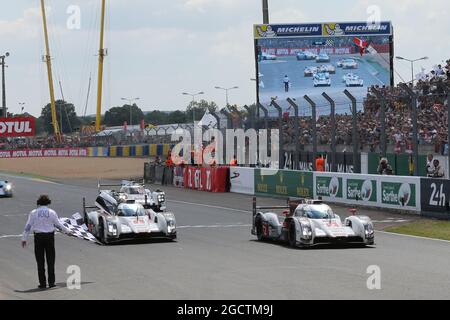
(42, 153)
(211, 179)
(17, 127)
(242, 180)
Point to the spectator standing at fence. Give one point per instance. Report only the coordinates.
(429, 168)
(233, 162)
(287, 83)
(438, 171)
(320, 164)
(384, 168)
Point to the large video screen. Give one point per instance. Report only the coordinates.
(298, 59)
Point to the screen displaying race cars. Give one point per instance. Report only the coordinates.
(298, 59)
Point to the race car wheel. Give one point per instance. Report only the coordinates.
(101, 232)
(292, 235)
(259, 229)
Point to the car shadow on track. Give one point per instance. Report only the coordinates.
(317, 246)
(128, 242)
(59, 285)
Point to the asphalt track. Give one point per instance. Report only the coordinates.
(215, 257)
(273, 72)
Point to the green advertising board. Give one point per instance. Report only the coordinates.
(285, 183)
(362, 190)
(398, 194)
(327, 186)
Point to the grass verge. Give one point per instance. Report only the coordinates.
(424, 228)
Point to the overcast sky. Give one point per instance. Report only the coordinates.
(159, 49)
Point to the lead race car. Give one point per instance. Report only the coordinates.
(6, 189)
(115, 217)
(310, 222)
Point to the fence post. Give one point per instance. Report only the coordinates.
(356, 163)
(333, 131)
(415, 145)
(297, 134)
(314, 129)
(383, 144)
(280, 128)
(266, 116)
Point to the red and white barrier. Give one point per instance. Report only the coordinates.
(211, 179)
(42, 153)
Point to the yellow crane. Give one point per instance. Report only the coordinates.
(101, 57)
(48, 61)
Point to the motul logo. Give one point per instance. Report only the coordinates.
(17, 127)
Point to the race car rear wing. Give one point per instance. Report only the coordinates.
(291, 204)
(100, 185)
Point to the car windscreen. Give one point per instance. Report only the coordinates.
(138, 190)
(314, 213)
(131, 211)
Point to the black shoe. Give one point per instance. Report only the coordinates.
(52, 285)
(42, 287)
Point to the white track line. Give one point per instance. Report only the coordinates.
(209, 206)
(410, 236)
(216, 226)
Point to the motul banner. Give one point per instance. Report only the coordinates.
(42, 153)
(17, 127)
(213, 179)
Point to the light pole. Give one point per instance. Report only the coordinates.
(22, 106)
(2, 62)
(412, 65)
(130, 100)
(193, 95)
(226, 91)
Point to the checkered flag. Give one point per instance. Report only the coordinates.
(329, 43)
(78, 228)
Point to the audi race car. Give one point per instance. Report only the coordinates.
(310, 222)
(347, 64)
(353, 80)
(113, 219)
(267, 56)
(322, 79)
(310, 71)
(306, 55)
(323, 57)
(6, 189)
(327, 68)
(131, 190)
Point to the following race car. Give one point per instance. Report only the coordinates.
(131, 190)
(323, 57)
(306, 55)
(327, 68)
(310, 71)
(353, 80)
(267, 56)
(308, 223)
(113, 219)
(6, 189)
(322, 79)
(348, 64)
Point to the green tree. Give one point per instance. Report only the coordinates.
(199, 107)
(64, 111)
(157, 117)
(116, 116)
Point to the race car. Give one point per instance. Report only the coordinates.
(348, 64)
(113, 219)
(6, 189)
(306, 55)
(131, 190)
(353, 80)
(327, 68)
(310, 222)
(322, 79)
(310, 71)
(323, 57)
(267, 56)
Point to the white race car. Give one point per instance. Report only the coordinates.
(323, 57)
(267, 56)
(112, 219)
(310, 71)
(327, 68)
(353, 80)
(6, 189)
(132, 190)
(306, 55)
(348, 64)
(322, 79)
(311, 222)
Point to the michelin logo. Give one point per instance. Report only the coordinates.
(367, 28)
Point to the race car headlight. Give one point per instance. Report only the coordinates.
(8, 187)
(161, 197)
(306, 231)
(123, 197)
(368, 230)
(112, 228)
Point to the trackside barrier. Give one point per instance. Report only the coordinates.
(242, 180)
(211, 179)
(40, 153)
(434, 198)
(285, 183)
(159, 173)
(390, 192)
(178, 177)
(167, 176)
